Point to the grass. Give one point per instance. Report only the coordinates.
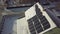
(54, 31)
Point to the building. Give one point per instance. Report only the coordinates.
(36, 19)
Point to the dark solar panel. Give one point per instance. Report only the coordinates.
(37, 10)
(34, 18)
(31, 26)
(44, 22)
(46, 26)
(34, 22)
(30, 23)
(37, 24)
(33, 32)
(37, 21)
(39, 30)
(42, 18)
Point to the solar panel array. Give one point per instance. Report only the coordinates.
(38, 23)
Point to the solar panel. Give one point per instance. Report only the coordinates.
(31, 26)
(34, 22)
(46, 26)
(38, 23)
(33, 32)
(39, 30)
(30, 23)
(38, 11)
(42, 19)
(44, 22)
